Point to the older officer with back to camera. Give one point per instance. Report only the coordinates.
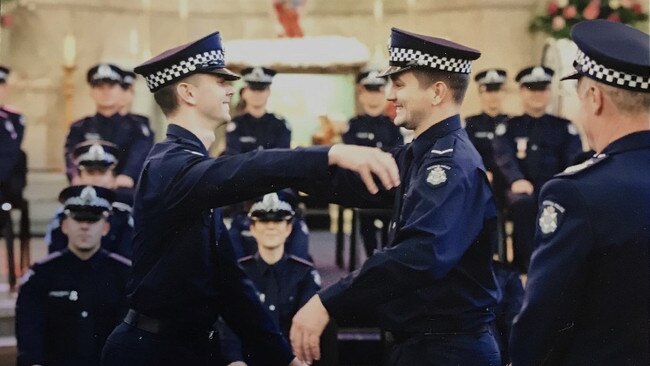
(588, 292)
(185, 273)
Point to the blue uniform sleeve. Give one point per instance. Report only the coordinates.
(349, 137)
(505, 159)
(31, 315)
(231, 349)
(556, 277)
(309, 286)
(298, 242)
(140, 146)
(426, 248)
(242, 310)
(201, 182)
(54, 237)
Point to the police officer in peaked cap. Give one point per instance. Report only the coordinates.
(432, 287)
(528, 150)
(184, 273)
(70, 301)
(109, 125)
(480, 127)
(256, 128)
(372, 127)
(588, 289)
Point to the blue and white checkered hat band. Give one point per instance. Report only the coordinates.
(436, 62)
(585, 65)
(187, 66)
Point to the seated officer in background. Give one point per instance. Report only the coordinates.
(69, 302)
(96, 161)
(256, 128)
(372, 128)
(480, 128)
(244, 243)
(284, 282)
(109, 125)
(588, 291)
(185, 274)
(433, 286)
(128, 94)
(13, 161)
(529, 149)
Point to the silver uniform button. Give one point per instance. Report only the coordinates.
(84, 314)
(272, 307)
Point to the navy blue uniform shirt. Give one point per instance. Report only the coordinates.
(480, 130)
(184, 268)
(296, 281)
(144, 124)
(12, 128)
(378, 131)
(67, 307)
(587, 299)
(436, 275)
(535, 149)
(246, 133)
(123, 131)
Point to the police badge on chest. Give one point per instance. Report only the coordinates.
(522, 146)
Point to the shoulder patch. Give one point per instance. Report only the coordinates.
(501, 129)
(245, 259)
(122, 207)
(550, 217)
(301, 260)
(574, 169)
(437, 176)
(304, 228)
(120, 259)
(50, 257)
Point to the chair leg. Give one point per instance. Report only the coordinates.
(8, 233)
(25, 237)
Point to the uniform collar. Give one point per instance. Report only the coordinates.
(114, 117)
(175, 131)
(633, 141)
(265, 267)
(422, 143)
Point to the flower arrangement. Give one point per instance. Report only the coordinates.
(561, 15)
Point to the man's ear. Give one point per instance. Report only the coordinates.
(439, 91)
(595, 98)
(186, 92)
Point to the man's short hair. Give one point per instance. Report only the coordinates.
(456, 82)
(167, 99)
(627, 101)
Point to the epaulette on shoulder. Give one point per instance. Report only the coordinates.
(122, 207)
(245, 259)
(120, 259)
(443, 147)
(301, 260)
(50, 257)
(586, 165)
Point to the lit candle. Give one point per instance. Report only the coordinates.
(69, 50)
(183, 9)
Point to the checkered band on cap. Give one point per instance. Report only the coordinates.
(184, 67)
(419, 58)
(584, 64)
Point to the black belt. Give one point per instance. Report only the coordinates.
(144, 322)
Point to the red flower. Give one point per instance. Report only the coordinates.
(552, 8)
(613, 17)
(592, 10)
(6, 21)
(637, 8)
(570, 12)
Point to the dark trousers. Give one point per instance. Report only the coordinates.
(130, 346)
(369, 231)
(467, 349)
(523, 211)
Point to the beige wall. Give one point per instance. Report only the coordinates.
(103, 29)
